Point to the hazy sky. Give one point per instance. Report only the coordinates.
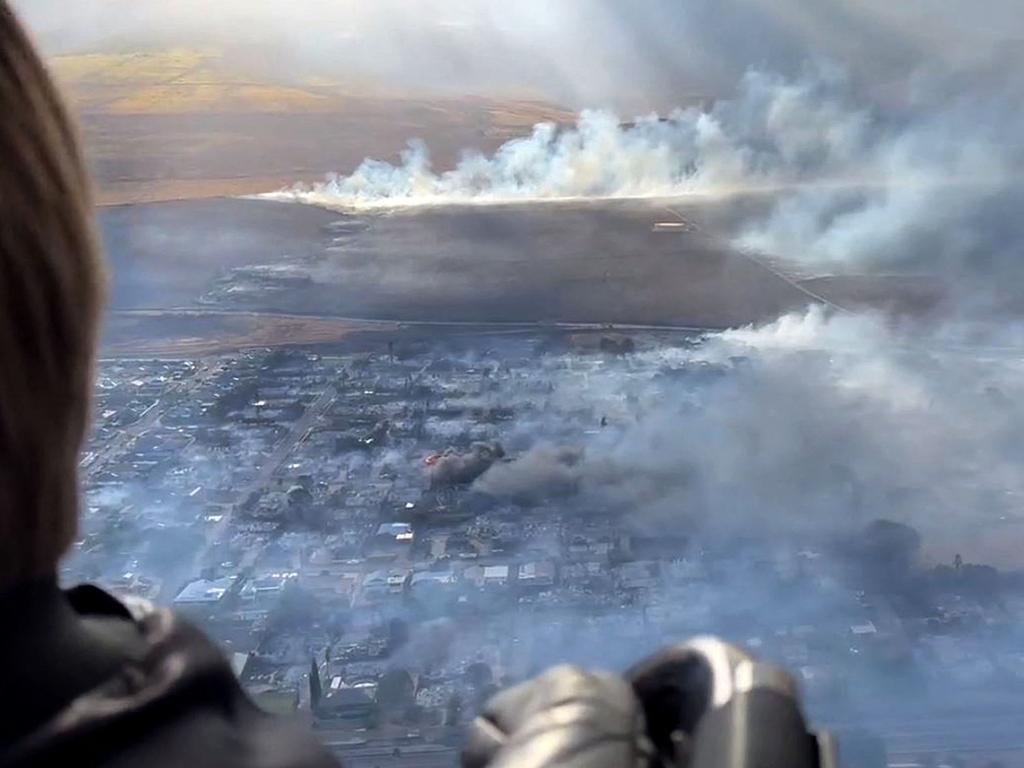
(581, 52)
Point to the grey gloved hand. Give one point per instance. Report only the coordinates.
(568, 717)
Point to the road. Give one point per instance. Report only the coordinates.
(296, 435)
(298, 432)
(148, 419)
(756, 260)
(394, 325)
(216, 532)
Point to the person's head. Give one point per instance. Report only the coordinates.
(51, 286)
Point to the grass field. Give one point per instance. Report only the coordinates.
(178, 124)
(196, 334)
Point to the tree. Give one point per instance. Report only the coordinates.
(478, 674)
(453, 710)
(398, 634)
(484, 694)
(315, 689)
(296, 608)
(888, 553)
(396, 689)
(894, 544)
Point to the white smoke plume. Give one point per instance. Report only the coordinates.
(938, 188)
(851, 187)
(774, 132)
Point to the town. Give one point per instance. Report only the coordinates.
(382, 537)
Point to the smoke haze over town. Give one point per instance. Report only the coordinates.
(449, 334)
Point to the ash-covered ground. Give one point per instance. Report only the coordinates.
(644, 262)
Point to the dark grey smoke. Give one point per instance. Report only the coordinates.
(546, 472)
(454, 467)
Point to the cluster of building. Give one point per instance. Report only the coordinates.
(291, 503)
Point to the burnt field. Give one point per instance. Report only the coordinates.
(606, 263)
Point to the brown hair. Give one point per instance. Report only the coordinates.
(51, 286)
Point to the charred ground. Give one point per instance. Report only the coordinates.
(621, 263)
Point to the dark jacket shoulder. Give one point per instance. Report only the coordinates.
(175, 702)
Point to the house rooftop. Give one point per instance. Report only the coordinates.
(204, 591)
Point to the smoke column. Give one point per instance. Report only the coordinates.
(775, 132)
(850, 186)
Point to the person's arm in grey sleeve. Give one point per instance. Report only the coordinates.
(568, 717)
